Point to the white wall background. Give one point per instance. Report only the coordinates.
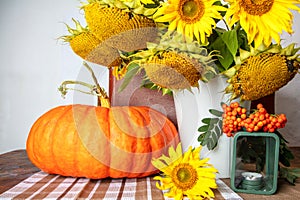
(34, 63)
(287, 99)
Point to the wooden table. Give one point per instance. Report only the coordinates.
(15, 167)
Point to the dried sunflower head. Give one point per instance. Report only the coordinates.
(175, 64)
(173, 70)
(262, 73)
(120, 28)
(86, 45)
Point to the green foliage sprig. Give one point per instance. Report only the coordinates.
(211, 131)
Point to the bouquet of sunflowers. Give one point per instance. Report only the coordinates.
(180, 42)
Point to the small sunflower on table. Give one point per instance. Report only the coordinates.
(178, 43)
(186, 174)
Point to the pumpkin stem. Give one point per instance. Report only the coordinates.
(103, 99)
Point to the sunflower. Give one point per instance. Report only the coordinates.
(173, 70)
(190, 17)
(119, 72)
(262, 20)
(140, 1)
(261, 73)
(185, 174)
(173, 64)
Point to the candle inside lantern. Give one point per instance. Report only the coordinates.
(252, 180)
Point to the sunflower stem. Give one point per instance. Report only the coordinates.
(64, 89)
(227, 27)
(237, 27)
(100, 90)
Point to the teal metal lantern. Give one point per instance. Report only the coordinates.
(255, 163)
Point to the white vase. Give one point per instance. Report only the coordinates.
(191, 108)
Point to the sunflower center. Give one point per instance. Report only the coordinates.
(184, 176)
(191, 10)
(257, 7)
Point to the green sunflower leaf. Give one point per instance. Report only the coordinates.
(133, 69)
(242, 40)
(231, 41)
(226, 58)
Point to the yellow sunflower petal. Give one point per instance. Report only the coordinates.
(158, 163)
(172, 152)
(186, 156)
(173, 25)
(196, 33)
(166, 18)
(189, 15)
(164, 184)
(180, 27)
(179, 196)
(188, 176)
(179, 149)
(196, 152)
(147, 1)
(264, 20)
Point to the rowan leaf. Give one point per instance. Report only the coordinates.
(216, 112)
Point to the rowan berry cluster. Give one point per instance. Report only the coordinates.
(235, 118)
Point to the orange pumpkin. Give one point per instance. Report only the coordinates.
(99, 142)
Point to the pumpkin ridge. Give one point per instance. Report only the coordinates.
(60, 116)
(123, 114)
(31, 150)
(80, 124)
(52, 136)
(173, 128)
(109, 149)
(41, 137)
(135, 139)
(73, 149)
(117, 119)
(169, 129)
(30, 146)
(153, 133)
(33, 154)
(75, 158)
(77, 170)
(146, 165)
(166, 132)
(158, 132)
(106, 135)
(145, 123)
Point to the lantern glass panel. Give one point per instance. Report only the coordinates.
(255, 163)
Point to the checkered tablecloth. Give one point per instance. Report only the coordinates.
(44, 186)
